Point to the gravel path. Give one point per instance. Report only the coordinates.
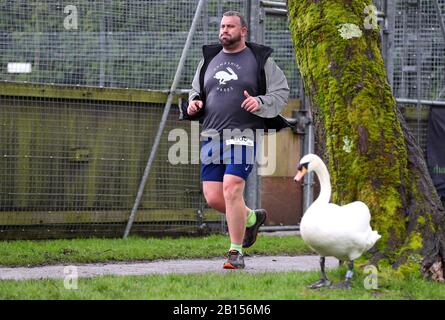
(253, 264)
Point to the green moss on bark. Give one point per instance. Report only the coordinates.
(364, 140)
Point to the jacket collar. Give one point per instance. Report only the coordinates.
(260, 51)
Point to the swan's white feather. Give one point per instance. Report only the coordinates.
(340, 231)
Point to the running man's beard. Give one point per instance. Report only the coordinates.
(230, 42)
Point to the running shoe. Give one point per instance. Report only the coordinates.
(252, 232)
(235, 260)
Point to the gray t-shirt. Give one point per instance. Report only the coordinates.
(225, 80)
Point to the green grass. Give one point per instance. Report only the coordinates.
(34, 253)
(229, 285)
(212, 286)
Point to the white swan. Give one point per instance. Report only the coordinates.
(343, 232)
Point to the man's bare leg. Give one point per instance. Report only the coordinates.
(236, 211)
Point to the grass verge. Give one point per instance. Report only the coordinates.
(211, 286)
(35, 253)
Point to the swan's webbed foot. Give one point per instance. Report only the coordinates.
(347, 283)
(320, 284)
(323, 282)
(341, 285)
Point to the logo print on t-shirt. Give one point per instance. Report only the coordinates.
(224, 76)
(226, 73)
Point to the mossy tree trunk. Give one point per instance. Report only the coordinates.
(371, 155)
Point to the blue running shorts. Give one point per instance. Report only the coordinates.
(219, 158)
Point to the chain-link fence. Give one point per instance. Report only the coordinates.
(72, 157)
(419, 61)
(73, 167)
(82, 89)
(277, 35)
(108, 43)
(419, 71)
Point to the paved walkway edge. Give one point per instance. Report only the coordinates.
(253, 264)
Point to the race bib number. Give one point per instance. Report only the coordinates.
(240, 141)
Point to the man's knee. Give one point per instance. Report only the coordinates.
(214, 198)
(215, 201)
(233, 188)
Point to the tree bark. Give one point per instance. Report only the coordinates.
(362, 135)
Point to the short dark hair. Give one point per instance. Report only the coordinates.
(239, 15)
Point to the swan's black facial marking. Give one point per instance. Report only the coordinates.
(303, 165)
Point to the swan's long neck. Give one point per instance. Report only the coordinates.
(325, 183)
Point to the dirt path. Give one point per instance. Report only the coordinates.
(253, 264)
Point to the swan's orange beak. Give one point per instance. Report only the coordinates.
(300, 174)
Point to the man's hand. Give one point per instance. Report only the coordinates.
(250, 103)
(194, 107)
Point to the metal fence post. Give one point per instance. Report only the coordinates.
(439, 16)
(308, 147)
(253, 183)
(388, 40)
(164, 116)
